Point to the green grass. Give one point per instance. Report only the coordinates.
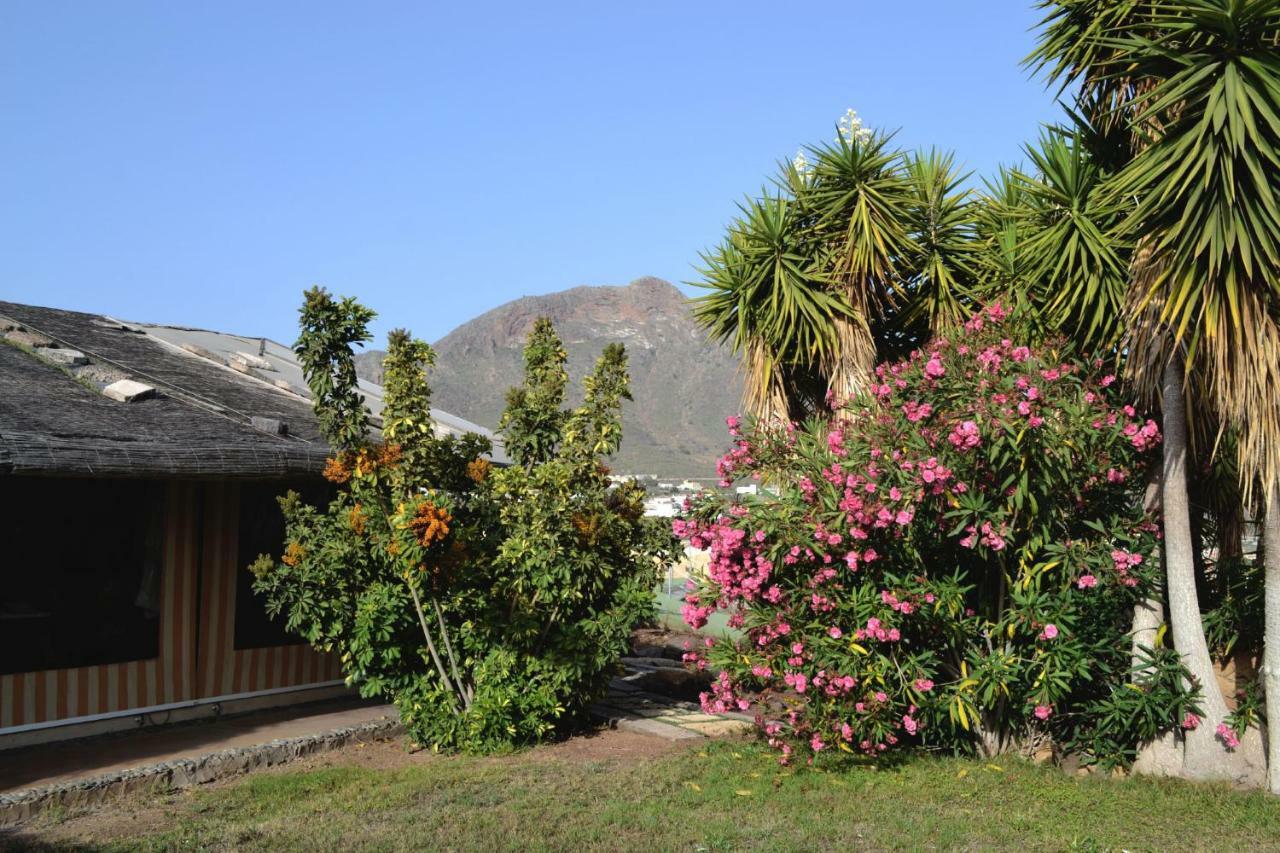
(726, 797)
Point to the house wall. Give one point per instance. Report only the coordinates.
(197, 659)
(222, 669)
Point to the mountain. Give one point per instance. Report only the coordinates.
(683, 385)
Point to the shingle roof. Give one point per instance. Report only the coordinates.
(55, 420)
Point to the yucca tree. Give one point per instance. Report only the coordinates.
(1197, 85)
(1000, 216)
(857, 204)
(940, 266)
(1075, 266)
(769, 302)
(858, 252)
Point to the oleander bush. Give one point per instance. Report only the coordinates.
(949, 561)
(491, 604)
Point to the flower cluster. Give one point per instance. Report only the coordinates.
(868, 592)
(429, 523)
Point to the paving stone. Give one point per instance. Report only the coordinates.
(687, 717)
(254, 360)
(662, 730)
(619, 685)
(646, 711)
(718, 728)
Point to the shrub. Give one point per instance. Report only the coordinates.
(950, 562)
(491, 604)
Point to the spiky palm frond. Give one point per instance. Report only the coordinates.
(857, 206)
(769, 301)
(1206, 186)
(1076, 268)
(999, 218)
(939, 269)
(1074, 50)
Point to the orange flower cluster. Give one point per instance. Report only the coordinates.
(478, 470)
(293, 554)
(587, 526)
(430, 523)
(356, 518)
(362, 463)
(336, 469)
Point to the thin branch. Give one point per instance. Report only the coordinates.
(431, 646)
(453, 661)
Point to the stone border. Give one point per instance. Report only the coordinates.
(185, 772)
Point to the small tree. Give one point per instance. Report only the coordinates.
(491, 605)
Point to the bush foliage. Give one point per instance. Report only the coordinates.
(491, 604)
(952, 561)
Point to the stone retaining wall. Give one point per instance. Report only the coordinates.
(185, 772)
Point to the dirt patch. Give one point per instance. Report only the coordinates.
(607, 744)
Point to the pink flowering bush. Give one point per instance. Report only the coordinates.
(951, 561)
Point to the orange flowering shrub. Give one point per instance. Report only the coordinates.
(490, 604)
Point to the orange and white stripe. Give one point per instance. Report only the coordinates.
(198, 596)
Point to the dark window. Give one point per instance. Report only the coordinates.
(262, 532)
(80, 567)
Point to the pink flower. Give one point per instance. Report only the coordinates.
(1228, 736)
(1050, 632)
(909, 724)
(835, 442)
(835, 632)
(934, 368)
(1086, 582)
(1190, 721)
(924, 685)
(817, 744)
(965, 436)
(1043, 711)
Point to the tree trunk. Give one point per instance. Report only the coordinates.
(850, 373)
(1271, 650)
(1162, 756)
(1206, 757)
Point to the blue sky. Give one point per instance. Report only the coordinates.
(202, 164)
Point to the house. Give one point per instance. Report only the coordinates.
(139, 467)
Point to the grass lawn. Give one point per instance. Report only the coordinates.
(713, 796)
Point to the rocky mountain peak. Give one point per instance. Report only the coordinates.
(683, 385)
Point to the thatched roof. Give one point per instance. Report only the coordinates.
(205, 419)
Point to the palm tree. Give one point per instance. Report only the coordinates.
(769, 302)
(1197, 84)
(941, 263)
(1075, 267)
(857, 203)
(859, 252)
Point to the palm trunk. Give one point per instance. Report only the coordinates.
(1271, 651)
(850, 373)
(1162, 756)
(1205, 757)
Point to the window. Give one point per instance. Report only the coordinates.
(262, 532)
(80, 570)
